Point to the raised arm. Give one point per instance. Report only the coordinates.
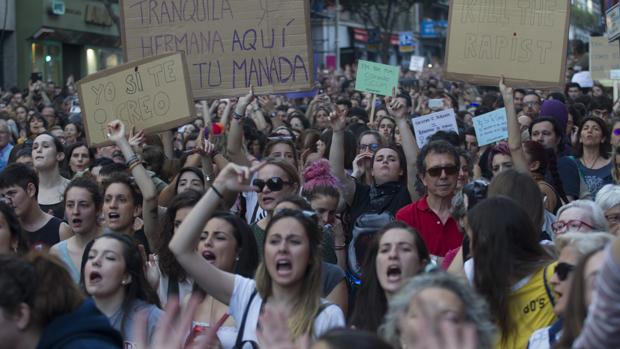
(234, 140)
(336, 156)
(410, 146)
(116, 129)
(216, 282)
(514, 135)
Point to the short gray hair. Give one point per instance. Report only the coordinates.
(596, 213)
(476, 309)
(608, 197)
(584, 243)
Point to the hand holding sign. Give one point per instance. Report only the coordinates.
(116, 131)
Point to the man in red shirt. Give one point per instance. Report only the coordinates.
(438, 168)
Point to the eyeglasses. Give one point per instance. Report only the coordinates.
(563, 269)
(560, 227)
(373, 147)
(436, 171)
(531, 104)
(273, 183)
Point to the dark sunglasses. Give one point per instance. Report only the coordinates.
(562, 270)
(273, 183)
(436, 171)
(373, 147)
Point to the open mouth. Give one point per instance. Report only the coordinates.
(394, 273)
(76, 221)
(114, 215)
(209, 256)
(94, 277)
(284, 267)
(268, 200)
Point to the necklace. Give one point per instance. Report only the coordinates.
(593, 162)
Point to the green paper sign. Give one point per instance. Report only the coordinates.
(376, 78)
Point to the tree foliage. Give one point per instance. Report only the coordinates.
(380, 14)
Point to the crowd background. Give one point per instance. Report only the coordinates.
(318, 221)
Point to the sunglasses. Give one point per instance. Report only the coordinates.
(563, 269)
(373, 147)
(436, 171)
(273, 183)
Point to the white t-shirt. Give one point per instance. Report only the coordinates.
(330, 317)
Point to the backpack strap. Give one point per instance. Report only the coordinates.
(239, 341)
(547, 288)
(323, 306)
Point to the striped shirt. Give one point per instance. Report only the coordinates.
(602, 327)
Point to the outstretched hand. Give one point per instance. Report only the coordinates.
(505, 90)
(236, 178)
(244, 101)
(395, 107)
(116, 131)
(338, 121)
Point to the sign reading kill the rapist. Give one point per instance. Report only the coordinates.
(229, 44)
(525, 41)
(151, 94)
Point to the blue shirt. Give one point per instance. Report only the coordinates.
(4, 155)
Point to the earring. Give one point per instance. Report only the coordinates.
(237, 259)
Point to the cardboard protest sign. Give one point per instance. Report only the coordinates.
(376, 78)
(525, 41)
(229, 44)
(151, 94)
(604, 57)
(491, 127)
(416, 63)
(427, 125)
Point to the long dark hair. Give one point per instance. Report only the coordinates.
(247, 248)
(505, 248)
(15, 228)
(371, 303)
(548, 162)
(168, 264)
(69, 152)
(604, 148)
(139, 287)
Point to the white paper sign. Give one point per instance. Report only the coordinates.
(427, 125)
(491, 127)
(416, 63)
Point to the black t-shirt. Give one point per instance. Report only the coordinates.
(46, 236)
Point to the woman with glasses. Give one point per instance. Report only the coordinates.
(571, 247)
(579, 215)
(274, 181)
(368, 143)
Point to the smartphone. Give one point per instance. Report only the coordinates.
(435, 103)
(36, 76)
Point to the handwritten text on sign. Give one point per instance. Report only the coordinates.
(523, 40)
(427, 125)
(491, 127)
(152, 94)
(230, 44)
(376, 78)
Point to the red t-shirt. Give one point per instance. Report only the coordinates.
(439, 238)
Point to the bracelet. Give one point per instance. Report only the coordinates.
(237, 116)
(217, 192)
(134, 164)
(131, 159)
(339, 247)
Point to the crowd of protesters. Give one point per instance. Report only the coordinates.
(314, 222)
